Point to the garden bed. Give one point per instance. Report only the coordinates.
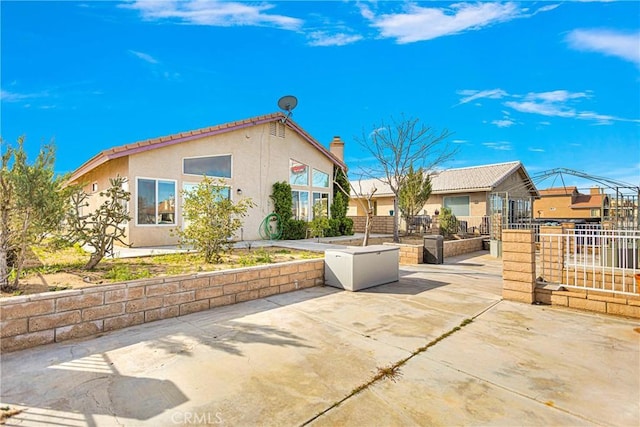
(53, 270)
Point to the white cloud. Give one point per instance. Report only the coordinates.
(7, 96)
(557, 103)
(556, 96)
(144, 56)
(505, 123)
(536, 150)
(321, 38)
(543, 108)
(472, 95)
(500, 146)
(459, 141)
(418, 23)
(613, 43)
(214, 13)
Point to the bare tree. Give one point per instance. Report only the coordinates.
(361, 198)
(398, 144)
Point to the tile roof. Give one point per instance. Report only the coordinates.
(475, 178)
(469, 179)
(587, 201)
(163, 141)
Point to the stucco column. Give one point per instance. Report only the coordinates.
(518, 265)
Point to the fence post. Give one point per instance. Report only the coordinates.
(518, 265)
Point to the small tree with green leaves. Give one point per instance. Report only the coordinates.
(319, 226)
(340, 203)
(448, 223)
(31, 206)
(414, 193)
(101, 228)
(211, 219)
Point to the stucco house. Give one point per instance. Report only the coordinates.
(464, 190)
(249, 156)
(568, 203)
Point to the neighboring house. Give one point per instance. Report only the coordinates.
(249, 156)
(567, 203)
(464, 190)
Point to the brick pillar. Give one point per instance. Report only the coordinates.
(568, 228)
(518, 265)
(552, 249)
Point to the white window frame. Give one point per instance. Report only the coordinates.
(297, 207)
(313, 172)
(175, 196)
(313, 203)
(94, 187)
(210, 155)
(308, 169)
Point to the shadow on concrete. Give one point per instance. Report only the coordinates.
(85, 363)
(93, 377)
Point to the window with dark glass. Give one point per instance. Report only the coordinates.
(156, 202)
(213, 166)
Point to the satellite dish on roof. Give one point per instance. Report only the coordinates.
(287, 103)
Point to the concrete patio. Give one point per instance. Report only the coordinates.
(287, 360)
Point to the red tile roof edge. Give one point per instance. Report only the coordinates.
(162, 141)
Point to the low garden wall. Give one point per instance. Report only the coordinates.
(591, 300)
(519, 281)
(462, 246)
(409, 254)
(31, 320)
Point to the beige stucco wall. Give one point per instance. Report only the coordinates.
(258, 160)
(477, 204)
(558, 207)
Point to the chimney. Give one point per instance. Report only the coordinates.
(337, 148)
(595, 190)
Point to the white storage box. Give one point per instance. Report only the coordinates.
(360, 267)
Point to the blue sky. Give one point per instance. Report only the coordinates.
(552, 84)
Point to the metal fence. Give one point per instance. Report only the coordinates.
(590, 257)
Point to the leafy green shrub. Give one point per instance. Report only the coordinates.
(294, 229)
(346, 227)
(448, 223)
(212, 219)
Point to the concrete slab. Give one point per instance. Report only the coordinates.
(286, 359)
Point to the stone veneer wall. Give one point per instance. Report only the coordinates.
(462, 246)
(31, 320)
(409, 254)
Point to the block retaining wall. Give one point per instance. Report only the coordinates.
(409, 254)
(32, 320)
(590, 300)
(462, 246)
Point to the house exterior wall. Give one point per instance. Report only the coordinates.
(514, 185)
(258, 160)
(558, 207)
